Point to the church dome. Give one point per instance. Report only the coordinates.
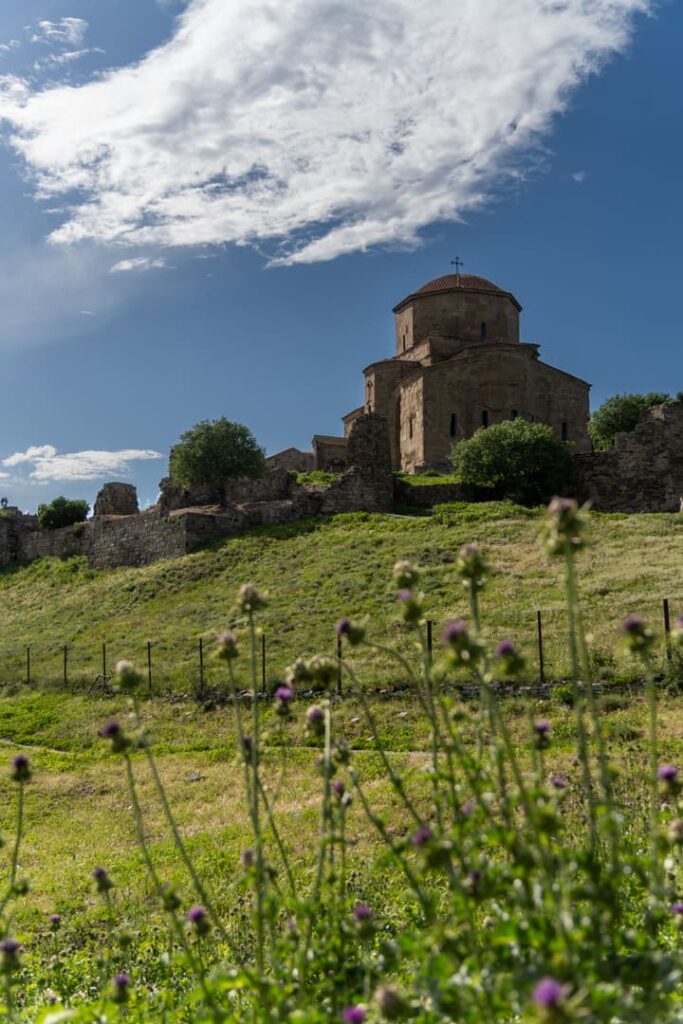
(468, 282)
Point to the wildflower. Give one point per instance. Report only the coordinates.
(675, 831)
(668, 775)
(563, 528)
(113, 732)
(338, 788)
(639, 638)
(170, 898)
(323, 670)
(247, 859)
(467, 809)
(227, 646)
(9, 956)
(422, 836)
(559, 782)
(249, 600)
(102, 880)
(471, 566)
(126, 676)
(541, 733)
(390, 1002)
(363, 918)
(315, 719)
(21, 768)
(354, 1014)
(283, 697)
(354, 634)
(511, 662)
(120, 987)
(55, 922)
(411, 607)
(463, 649)
(548, 993)
(405, 575)
(677, 908)
(247, 745)
(196, 917)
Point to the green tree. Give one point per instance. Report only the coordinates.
(62, 512)
(214, 452)
(620, 413)
(522, 461)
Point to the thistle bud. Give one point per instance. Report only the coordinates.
(411, 606)
(639, 638)
(563, 529)
(405, 575)
(227, 646)
(21, 768)
(471, 566)
(127, 678)
(390, 1003)
(120, 985)
(354, 633)
(113, 732)
(10, 960)
(249, 600)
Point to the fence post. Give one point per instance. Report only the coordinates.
(28, 666)
(66, 666)
(539, 627)
(667, 627)
(429, 638)
(104, 662)
(339, 665)
(149, 666)
(201, 666)
(263, 662)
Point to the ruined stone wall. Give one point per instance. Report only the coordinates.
(643, 471)
(368, 484)
(428, 495)
(329, 453)
(291, 458)
(272, 486)
(116, 499)
(63, 543)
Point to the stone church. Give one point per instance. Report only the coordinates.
(460, 365)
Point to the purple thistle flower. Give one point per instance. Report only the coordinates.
(102, 880)
(121, 980)
(677, 907)
(505, 649)
(284, 694)
(343, 627)
(422, 836)
(196, 916)
(354, 1015)
(21, 768)
(559, 782)
(247, 859)
(10, 947)
(362, 912)
(339, 787)
(548, 993)
(247, 744)
(454, 631)
(467, 809)
(404, 595)
(667, 772)
(542, 726)
(633, 624)
(120, 984)
(110, 729)
(55, 920)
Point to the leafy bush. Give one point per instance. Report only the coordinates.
(515, 459)
(619, 414)
(214, 452)
(62, 512)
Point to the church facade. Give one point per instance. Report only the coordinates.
(459, 365)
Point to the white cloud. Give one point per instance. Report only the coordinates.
(579, 177)
(13, 44)
(139, 263)
(4, 476)
(320, 126)
(46, 464)
(68, 57)
(66, 32)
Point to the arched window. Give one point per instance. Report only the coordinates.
(411, 418)
(514, 414)
(483, 332)
(453, 430)
(564, 431)
(484, 417)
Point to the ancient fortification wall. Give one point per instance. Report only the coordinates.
(643, 471)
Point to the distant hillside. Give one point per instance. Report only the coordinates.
(317, 570)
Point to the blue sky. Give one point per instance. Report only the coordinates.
(210, 209)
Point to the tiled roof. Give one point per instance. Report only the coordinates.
(464, 281)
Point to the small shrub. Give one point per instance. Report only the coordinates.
(563, 694)
(521, 461)
(62, 512)
(317, 478)
(620, 414)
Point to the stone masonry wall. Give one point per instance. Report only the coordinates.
(643, 471)
(64, 543)
(368, 484)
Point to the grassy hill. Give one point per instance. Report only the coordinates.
(317, 570)
(78, 811)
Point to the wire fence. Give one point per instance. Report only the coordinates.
(187, 664)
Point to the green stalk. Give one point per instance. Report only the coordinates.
(258, 840)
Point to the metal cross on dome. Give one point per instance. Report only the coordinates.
(457, 263)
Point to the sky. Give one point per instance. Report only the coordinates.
(210, 209)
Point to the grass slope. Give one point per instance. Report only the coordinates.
(317, 570)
